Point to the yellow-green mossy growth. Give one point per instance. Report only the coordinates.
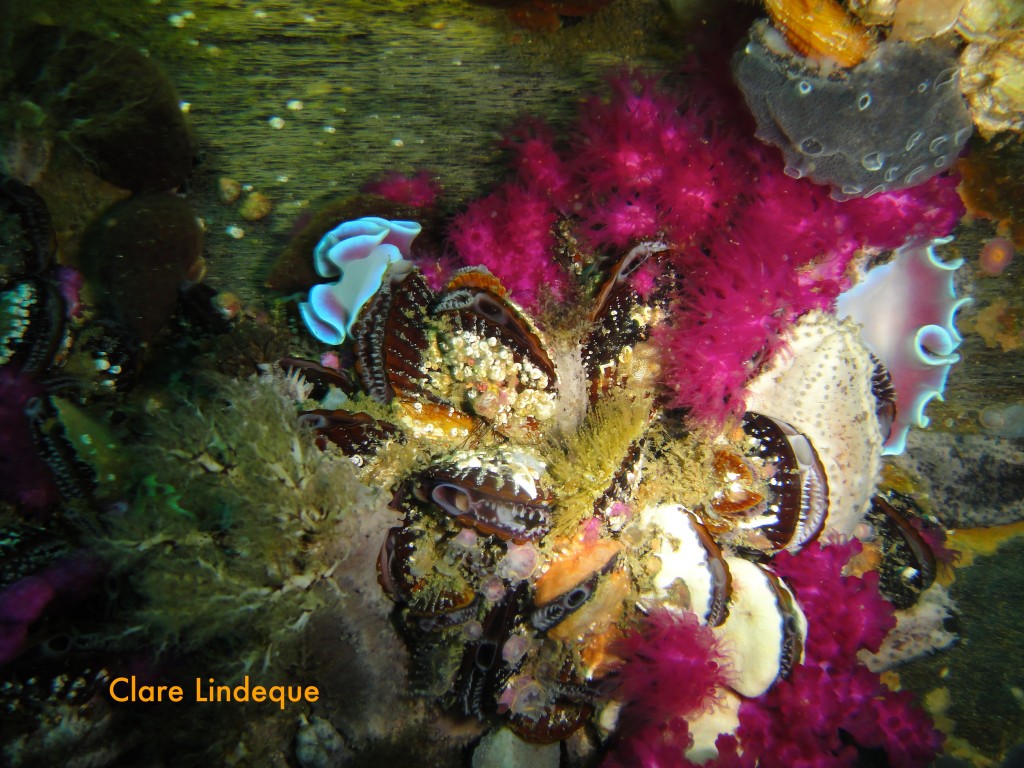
(583, 466)
(238, 521)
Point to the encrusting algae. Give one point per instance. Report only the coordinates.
(235, 486)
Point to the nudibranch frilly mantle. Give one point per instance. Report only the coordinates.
(907, 309)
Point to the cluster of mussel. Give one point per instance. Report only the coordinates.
(536, 535)
(96, 243)
(99, 251)
(49, 355)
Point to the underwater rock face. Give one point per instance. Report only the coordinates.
(108, 101)
(140, 251)
(892, 122)
(972, 480)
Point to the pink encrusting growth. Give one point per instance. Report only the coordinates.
(25, 479)
(754, 248)
(672, 669)
(825, 714)
(420, 190)
(24, 602)
(831, 706)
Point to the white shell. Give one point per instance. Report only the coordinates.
(821, 384)
(706, 727)
(753, 634)
(683, 558)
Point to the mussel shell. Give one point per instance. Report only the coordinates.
(486, 500)
(389, 336)
(908, 564)
(797, 488)
(353, 432)
(75, 479)
(393, 572)
(558, 610)
(614, 325)
(26, 247)
(885, 397)
(568, 710)
(319, 376)
(483, 671)
(624, 482)
(794, 628)
(32, 328)
(558, 722)
(487, 313)
(396, 577)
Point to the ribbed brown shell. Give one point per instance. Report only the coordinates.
(821, 29)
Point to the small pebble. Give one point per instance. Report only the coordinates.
(228, 304)
(228, 189)
(255, 206)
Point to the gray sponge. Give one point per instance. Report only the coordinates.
(891, 122)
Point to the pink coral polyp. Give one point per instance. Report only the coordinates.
(510, 233)
(672, 667)
(754, 248)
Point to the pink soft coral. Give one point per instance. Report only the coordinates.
(510, 233)
(844, 613)
(541, 170)
(420, 190)
(653, 162)
(754, 248)
(672, 669)
(831, 705)
(826, 714)
(823, 719)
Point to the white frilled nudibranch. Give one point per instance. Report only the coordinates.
(358, 253)
(906, 309)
